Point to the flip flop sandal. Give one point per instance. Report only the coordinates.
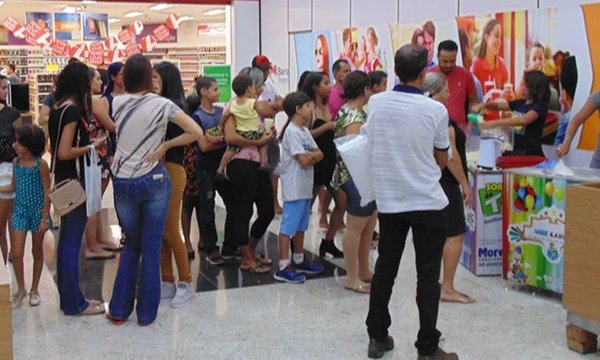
(256, 269)
(462, 299)
(361, 289)
(116, 248)
(263, 260)
(93, 309)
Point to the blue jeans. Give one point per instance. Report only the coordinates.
(72, 226)
(142, 205)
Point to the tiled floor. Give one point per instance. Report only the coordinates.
(315, 320)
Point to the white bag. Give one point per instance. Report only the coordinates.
(355, 152)
(93, 182)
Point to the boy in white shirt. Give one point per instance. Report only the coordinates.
(299, 154)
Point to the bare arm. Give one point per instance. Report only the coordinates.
(17, 123)
(233, 138)
(66, 151)
(441, 157)
(456, 167)
(492, 105)
(192, 132)
(101, 114)
(44, 115)
(524, 120)
(310, 158)
(264, 108)
(45, 174)
(329, 126)
(582, 115)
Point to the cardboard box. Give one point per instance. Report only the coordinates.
(582, 251)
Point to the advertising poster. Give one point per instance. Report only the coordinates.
(221, 73)
(95, 26)
(534, 226)
(482, 248)
(367, 49)
(315, 52)
(67, 26)
(44, 20)
(149, 30)
(427, 34)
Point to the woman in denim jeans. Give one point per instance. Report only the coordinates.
(142, 187)
(66, 129)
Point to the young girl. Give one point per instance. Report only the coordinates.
(531, 114)
(536, 59)
(31, 212)
(247, 111)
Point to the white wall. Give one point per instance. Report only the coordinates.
(330, 14)
(246, 38)
(410, 13)
(361, 13)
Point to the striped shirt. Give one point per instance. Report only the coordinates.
(141, 127)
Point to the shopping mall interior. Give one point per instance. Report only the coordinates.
(510, 191)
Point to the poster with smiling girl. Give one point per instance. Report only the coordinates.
(315, 52)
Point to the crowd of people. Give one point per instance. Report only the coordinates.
(168, 155)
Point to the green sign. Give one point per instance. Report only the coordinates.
(221, 73)
(490, 199)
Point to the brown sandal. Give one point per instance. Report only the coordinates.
(256, 269)
(361, 289)
(263, 260)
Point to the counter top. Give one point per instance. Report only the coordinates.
(581, 174)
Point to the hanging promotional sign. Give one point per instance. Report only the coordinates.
(67, 26)
(132, 49)
(59, 47)
(125, 36)
(95, 26)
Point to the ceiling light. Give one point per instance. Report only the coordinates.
(88, 2)
(186, 18)
(70, 9)
(214, 12)
(1, 3)
(113, 20)
(159, 7)
(133, 14)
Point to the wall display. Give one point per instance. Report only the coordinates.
(67, 26)
(44, 20)
(315, 51)
(162, 33)
(221, 73)
(95, 26)
(367, 49)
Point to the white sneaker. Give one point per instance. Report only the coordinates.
(184, 294)
(167, 290)
(34, 299)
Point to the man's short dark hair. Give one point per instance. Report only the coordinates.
(568, 76)
(337, 65)
(447, 45)
(241, 84)
(292, 101)
(409, 62)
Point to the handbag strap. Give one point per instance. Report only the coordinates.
(58, 138)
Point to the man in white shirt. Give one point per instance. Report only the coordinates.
(408, 143)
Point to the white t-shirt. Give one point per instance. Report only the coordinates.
(403, 128)
(296, 182)
(141, 127)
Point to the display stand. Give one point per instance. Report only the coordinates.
(533, 226)
(482, 248)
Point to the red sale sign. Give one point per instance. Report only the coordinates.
(59, 47)
(114, 56)
(124, 36)
(96, 57)
(78, 51)
(110, 43)
(32, 28)
(96, 47)
(161, 33)
(132, 49)
(11, 23)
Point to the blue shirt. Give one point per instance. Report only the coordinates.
(562, 128)
(209, 122)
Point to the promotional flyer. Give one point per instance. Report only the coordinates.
(95, 26)
(67, 26)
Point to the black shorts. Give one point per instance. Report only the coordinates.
(455, 212)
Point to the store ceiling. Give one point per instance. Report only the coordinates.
(115, 9)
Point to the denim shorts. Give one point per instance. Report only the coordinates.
(353, 207)
(295, 217)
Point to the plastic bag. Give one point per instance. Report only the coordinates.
(93, 183)
(354, 150)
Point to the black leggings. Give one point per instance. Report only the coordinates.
(249, 186)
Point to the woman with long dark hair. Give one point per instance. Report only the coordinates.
(69, 136)
(317, 87)
(115, 85)
(10, 118)
(142, 187)
(167, 83)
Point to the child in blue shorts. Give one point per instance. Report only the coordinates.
(31, 210)
(298, 155)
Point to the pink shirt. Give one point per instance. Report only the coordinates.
(335, 101)
(248, 153)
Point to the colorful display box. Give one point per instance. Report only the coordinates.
(482, 248)
(534, 225)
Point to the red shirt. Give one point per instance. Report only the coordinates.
(461, 85)
(482, 71)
